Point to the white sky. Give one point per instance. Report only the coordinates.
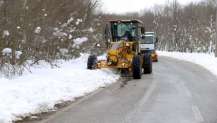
(122, 6)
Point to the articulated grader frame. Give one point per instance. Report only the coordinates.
(123, 39)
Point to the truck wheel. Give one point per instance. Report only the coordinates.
(147, 63)
(91, 62)
(136, 67)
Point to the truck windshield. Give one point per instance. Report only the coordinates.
(148, 40)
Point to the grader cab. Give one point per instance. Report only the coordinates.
(123, 38)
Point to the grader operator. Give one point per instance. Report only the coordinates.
(123, 38)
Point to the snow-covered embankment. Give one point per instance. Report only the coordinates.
(208, 61)
(40, 90)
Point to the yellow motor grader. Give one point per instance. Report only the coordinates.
(123, 39)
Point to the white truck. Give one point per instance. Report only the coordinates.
(148, 44)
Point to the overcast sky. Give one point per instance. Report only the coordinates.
(122, 6)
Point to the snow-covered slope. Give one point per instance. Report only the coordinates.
(40, 90)
(208, 61)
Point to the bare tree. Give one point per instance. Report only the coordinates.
(43, 29)
(216, 35)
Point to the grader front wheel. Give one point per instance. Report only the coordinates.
(91, 62)
(136, 67)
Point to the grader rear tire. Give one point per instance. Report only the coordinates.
(136, 67)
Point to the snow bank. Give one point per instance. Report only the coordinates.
(40, 90)
(37, 30)
(78, 21)
(208, 61)
(6, 51)
(5, 33)
(79, 41)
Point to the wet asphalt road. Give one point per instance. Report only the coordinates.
(176, 92)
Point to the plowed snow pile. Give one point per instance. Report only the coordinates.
(208, 61)
(40, 90)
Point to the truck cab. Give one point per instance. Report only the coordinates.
(148, 44)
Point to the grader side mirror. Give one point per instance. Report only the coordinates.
(107, 35)
(106, 32)
(143, 30)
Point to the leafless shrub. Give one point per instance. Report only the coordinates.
(41, 29)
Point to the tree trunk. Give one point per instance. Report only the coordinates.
(216, 36)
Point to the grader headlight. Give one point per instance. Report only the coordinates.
(124, 64)
(127, 44)
(112, 60)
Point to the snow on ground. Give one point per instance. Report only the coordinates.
(208, 61)
(79, 41)
(8, 52)
(40, 90)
